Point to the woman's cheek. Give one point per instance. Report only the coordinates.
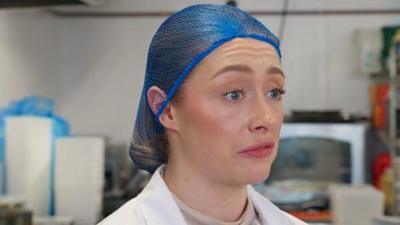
(279, 113)
(201, 115)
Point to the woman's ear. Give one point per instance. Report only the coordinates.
(155, 97)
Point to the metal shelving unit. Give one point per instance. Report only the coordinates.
(393, 141)
(390, 136)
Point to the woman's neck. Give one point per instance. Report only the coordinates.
(220, 201)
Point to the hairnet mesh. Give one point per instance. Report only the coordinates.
(179, 44)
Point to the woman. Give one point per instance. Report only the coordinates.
(208, 122)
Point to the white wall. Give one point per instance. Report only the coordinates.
(103, 69)
(320, 59)
(173, 5)
(100, 62)
(28, 54)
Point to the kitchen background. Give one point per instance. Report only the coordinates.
(91, 59)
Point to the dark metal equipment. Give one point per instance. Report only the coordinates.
(15, 217)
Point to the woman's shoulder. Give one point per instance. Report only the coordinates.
(128, 212)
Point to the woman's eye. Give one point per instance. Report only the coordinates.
(234, 95)
(276, 93)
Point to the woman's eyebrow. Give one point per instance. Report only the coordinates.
(246, 69)
(275, 70)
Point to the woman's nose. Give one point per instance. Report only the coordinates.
(262, 117)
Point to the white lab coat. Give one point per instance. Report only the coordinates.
(156, 206)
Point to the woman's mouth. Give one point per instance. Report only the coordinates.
(258, 151)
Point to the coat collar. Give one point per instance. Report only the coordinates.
(159, 207)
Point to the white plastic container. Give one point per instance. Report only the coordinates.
(58, 220)
(9, 201)
(28, 153)
(356, 205)
(80, 178)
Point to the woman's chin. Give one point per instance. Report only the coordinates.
(256, 171)
(255, 175)
(258, 177)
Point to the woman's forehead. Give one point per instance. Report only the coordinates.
(240, 47)
(245, 42)
(236, 51)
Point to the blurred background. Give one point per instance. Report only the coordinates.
(71, 73)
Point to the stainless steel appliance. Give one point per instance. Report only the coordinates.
(321, 152)
(311, 156)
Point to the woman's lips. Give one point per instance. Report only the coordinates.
(258, 151)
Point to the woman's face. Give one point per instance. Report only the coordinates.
(229, 119)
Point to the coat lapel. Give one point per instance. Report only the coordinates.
(269, 214)
(157, 204)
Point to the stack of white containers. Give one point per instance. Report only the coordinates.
(28, 155)
(355, 205)
(80, 178)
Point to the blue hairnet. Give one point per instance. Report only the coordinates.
(180, 43)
